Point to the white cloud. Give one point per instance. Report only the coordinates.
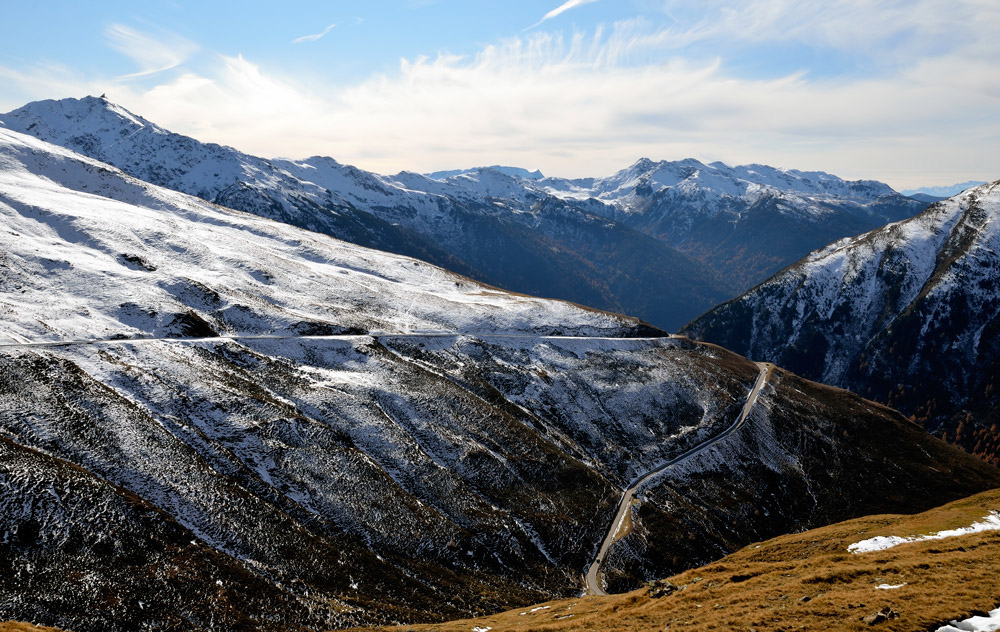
(313, 38)
(563, 8)
(886, 32)
(588, 104)
(152, 53)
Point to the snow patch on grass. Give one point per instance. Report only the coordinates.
(989, 623)
(881, 543)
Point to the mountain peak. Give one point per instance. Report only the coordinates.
(85, 124)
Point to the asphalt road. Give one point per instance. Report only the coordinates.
(625, 504)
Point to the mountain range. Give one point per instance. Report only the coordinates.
(945, 191)
(210, 420)
(664, 241)
(907, 315)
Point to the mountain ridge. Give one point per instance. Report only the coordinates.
(905, 315)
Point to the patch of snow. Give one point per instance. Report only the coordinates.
(989, 623)
(889, 586)
(881, 543)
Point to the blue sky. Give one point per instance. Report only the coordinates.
(903, 91)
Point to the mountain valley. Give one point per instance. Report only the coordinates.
(210, 420)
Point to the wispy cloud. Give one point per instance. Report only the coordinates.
(563, 8)
(555, 101)
(153, 53)
(314, 37)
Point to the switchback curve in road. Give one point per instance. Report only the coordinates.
(593, 577)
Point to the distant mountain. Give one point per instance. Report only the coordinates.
(662, 241)
(928, 199)
(747, 222)
(214, 421)
(943, 192)
(510, 171)
(907, 315)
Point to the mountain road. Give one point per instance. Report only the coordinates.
(593, 577)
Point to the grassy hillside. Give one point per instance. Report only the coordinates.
(805, 581)
(14, 626)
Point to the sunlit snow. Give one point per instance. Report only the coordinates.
(881, 543)
(989, 623)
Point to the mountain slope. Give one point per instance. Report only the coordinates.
(212, 421)
(906, 315)
(486, 225)
(804, 581)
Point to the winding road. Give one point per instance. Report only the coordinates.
(625, 504)
(24, 343)
(593, 577)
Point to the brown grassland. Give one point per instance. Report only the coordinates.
(804, 581)
(13, 626)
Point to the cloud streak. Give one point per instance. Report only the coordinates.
(563, 8)
(152, 53)
(314, 37)
(590, 103)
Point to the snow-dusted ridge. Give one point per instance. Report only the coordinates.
(71, 222)
(906, 315)
(713, 182)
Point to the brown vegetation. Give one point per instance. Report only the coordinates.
(806, 581)
(15, 626)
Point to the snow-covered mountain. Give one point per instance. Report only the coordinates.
(213, 421)
(749, 221)
(486, 224)
(520, 172)
(908, 315)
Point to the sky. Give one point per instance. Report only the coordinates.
(907, 92)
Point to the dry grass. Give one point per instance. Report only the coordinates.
(14, 626)
(806, 581)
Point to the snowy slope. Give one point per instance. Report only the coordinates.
(281, 476)
(906, 314)
(167, 252)
(677, 237)
(511, 171)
